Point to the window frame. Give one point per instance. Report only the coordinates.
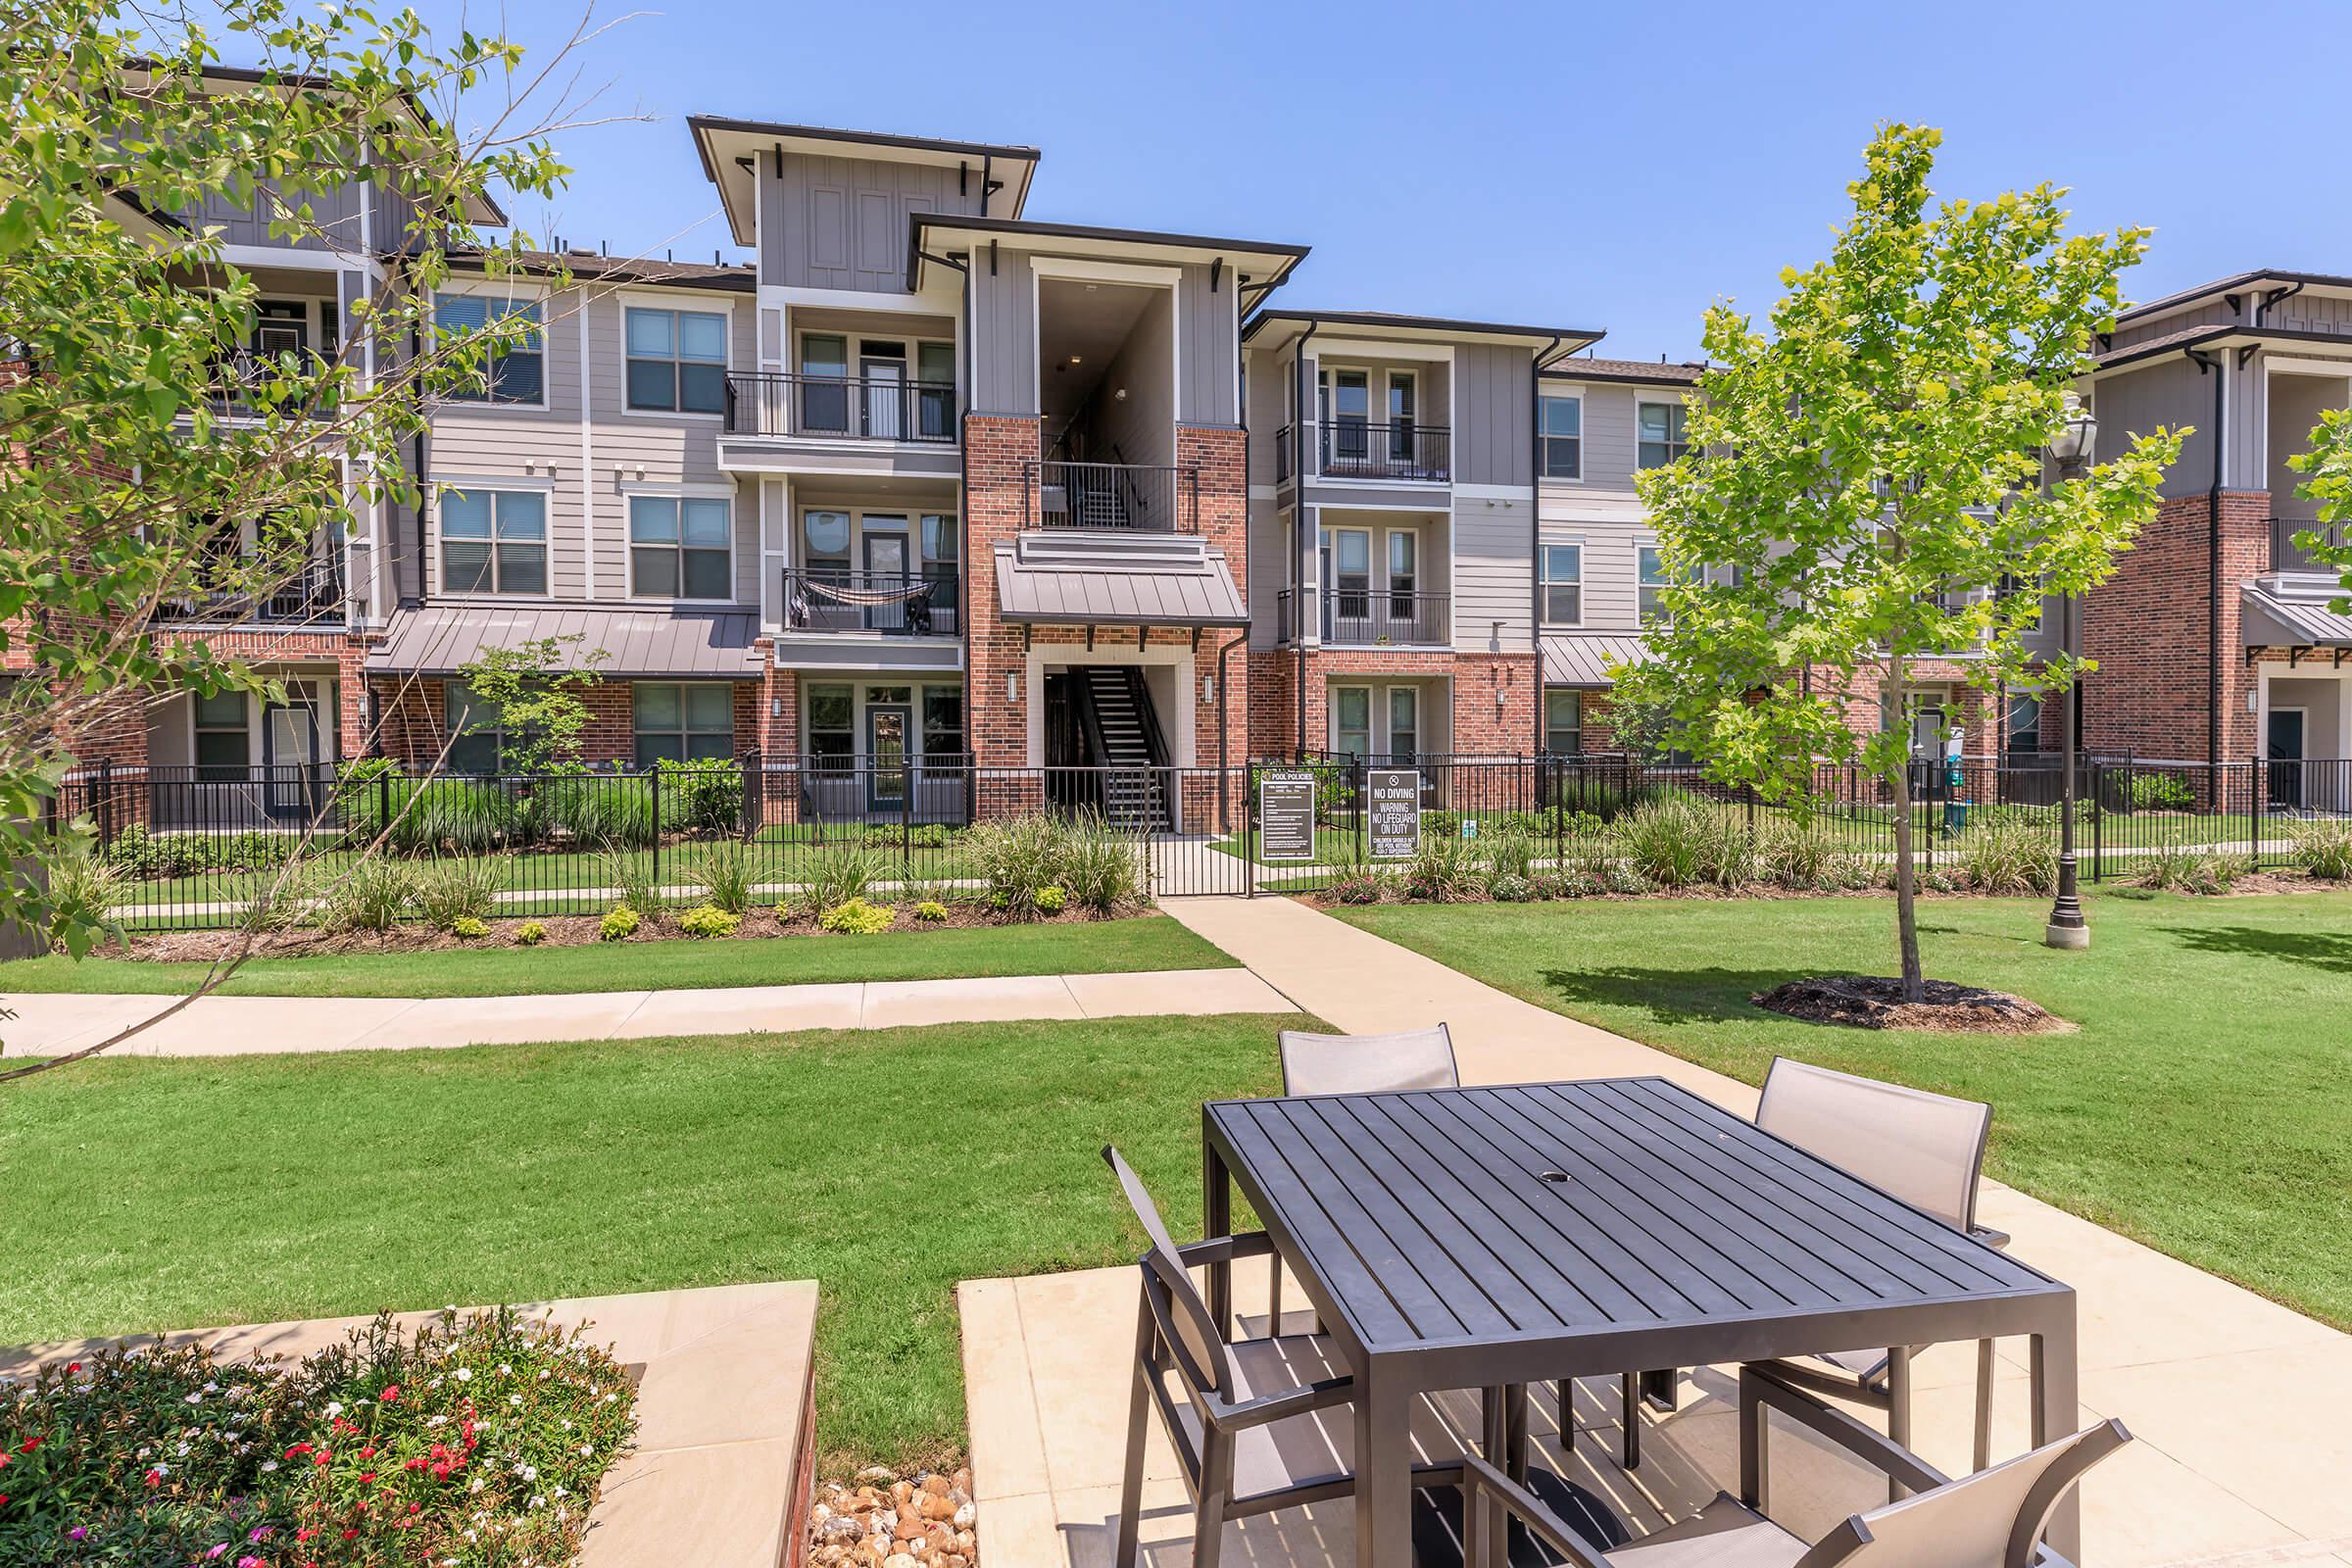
(1576, 696)
(847, 762)
(454, 712)
(1645, 588)
(674, 308)
(199, 728)
(679, 496)
(1371, 718)
(1545, 582)
(2009, 727)
(1677, 444)
(686, 731)
(1544, 437)
(493, 489)
(518, 295)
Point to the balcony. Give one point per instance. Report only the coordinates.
(1361, 617)
(1354, 449)
(2286, 556)
(239, 375)
(1113, 497)
(891, 604)
(311, 596)
(840, 408)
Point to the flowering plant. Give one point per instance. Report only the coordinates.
(477, 1442)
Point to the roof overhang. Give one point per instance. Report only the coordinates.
(1617, 374)
(2209, 339)
(1583, 659)
(1261, 265)
(2244, 284)
(1276, 328)
(2268, 620)
(730, 151)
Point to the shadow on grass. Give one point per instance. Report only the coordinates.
(2312, 949)
(1683, 994)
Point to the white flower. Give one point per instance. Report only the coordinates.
(268, 1465)
(195, 1399)
(334, 1408)
(477, 1484)
(586, 1451)
(511, 1398)
(543, 1374)
(505, 1370)
(436, 1421)
(182, 1451)
(212, 1388)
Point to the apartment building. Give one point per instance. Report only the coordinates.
(2214, 638)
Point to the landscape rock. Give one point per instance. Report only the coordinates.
(883, 1519)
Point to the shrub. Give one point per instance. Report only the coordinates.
(1674, 843)
(1443, 871)
(451, 816)
(139, 1465)
(1793, 854)
(1544, 885)
(600, 810)
(1605, 799)
(2162, 792)
(1509, 853)
(837, 875)
(1936, 879)
(1855, 873)
(632, 881)
(2324, 848)
(708, 920)
(1100, 866)
(858, 918)
(1363, 887)
(531, 933)
(463, 889)
(371, 894)
(140, 854)
(1440, 824)
(2185, 866)
(1018, 857)
(471, 928)
(2009, 855)
(931, 910)
(1051, 898)
(1506, 886)
(703, 797)
(1620, 877)
(83, 890)
(619, 923)
(726, 873)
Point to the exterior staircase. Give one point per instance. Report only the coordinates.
(1133, 787)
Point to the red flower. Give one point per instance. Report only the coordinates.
(365, 1479)
(298, 1450)
(154, 1478)
(73, 1366)
(368, 1452)
(390, 1393)
(3, 1500)
(351, 1535)
(29, 1445)
(323, 1458)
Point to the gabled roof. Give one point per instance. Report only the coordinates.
(999, 173)
(1643, 372)
(2242, 283)
(1279, 327)
(2216, 335)
(1267, 262)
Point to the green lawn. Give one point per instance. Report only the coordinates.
(2201, 1106)
(886, 1165)
(1073, 947)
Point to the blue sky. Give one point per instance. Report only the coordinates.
(1615, 165)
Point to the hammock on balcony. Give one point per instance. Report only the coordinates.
(916, 596)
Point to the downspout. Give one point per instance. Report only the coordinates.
(964, 500)
(423, 484)
(1301, 547)
(2211, 364)
(1224, 746)
(1535, 526)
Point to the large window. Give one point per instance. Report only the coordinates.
(493, 542)
(223, 742)
(1563, 585)
(679, 722)
(678, 548)
(1564, 721)
(1563, 438)
(478, 737)
(677, 360)
(2024, 722)
(943, 722)
(1651, 576)
(833, 726)
(516, 372)
(1404, 722)
(1352, 721)
(1660, 426)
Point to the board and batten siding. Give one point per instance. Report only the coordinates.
(1492, 416)
(842, 223)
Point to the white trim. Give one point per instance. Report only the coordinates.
(784, 297)
(1425, 353)
(1542, 583)
(1033, 688)
(430, 572)
(681, 493)
(291, 260)
(515, 290)
(692, 489)
(485, 481)
(587, 461)
(1584, 437)
(1094, 272)
(670, 304)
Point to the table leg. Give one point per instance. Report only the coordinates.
(2057, 1408)
(1216, 1219)
(1515, 1432)
(1383, 1472)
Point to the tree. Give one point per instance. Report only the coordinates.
(2329, 465)
(533, 695)
(136, 423)
(1865, 485)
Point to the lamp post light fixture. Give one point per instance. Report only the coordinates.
(2072, 448)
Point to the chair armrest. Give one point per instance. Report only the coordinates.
(1998, 1241)
(1225, 1248)
(1481, 1482)
(1765, 1386)
(1301, 1401)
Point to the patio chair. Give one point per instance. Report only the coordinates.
(1991, 1519)
(1249, 1418)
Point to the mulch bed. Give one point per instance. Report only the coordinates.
(1876, 1001)
(562, 931)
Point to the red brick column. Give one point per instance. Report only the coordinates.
(998, 496)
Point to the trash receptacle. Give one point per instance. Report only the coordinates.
(1955, 818)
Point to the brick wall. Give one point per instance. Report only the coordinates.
(1475, 725)
(997, 496)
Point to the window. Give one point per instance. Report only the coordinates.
(477, 738)
(1352, 721)
(1405, 551)
(1564, 721)
(1404, 722)
(2025, 723)
(1402, 400)
(1651, 576)
(679, 547)
(832, 728)
(223, 745)
(825, 544)
(943, 723)
(516, 372)
(1563, 585)
(1563, 438)
(493, 542)
(677, 360)
(679, 723)
(1660, 426)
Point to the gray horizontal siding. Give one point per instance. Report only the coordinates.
(1493, 573)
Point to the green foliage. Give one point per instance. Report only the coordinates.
(1509, 853)
(464, 888)
(726, 873)
(471, 928)
(931, 912)
(2324, 848)
(619, 923)
(2181, 865)
(858, 918)
(2162, 792)
(708, 920)
(1017, 858)
(1100, 866)
(703, 797)
(604, 811)
(1360, 886)
(2007, 853)
(1051, 898)
(140, 854)
(533, 695)
(530, 933)
(373, 894)
(842, 874)
(1793, 854)
(1676, 844)
(2327, 461)
(1445, 870)
(632, 880)
(1587, 796)
(1506, 886)
(83, 890)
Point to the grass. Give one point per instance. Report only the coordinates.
(2200, 1108)
(1075, 947)
(886, 1165)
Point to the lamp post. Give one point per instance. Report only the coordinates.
(2067, 928)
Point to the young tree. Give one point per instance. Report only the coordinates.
(2329, 465)
(1865, 485)
(136, 423)
(533, 695)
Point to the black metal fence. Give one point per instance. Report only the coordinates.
(195, 846)
(847, 406)
(1123, 497)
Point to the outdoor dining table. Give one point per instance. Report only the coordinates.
(1486, 1238)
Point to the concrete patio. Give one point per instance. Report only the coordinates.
(2242, 1459)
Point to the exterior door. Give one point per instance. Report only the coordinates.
(1351, 417)
(1347, 584)
(2284, 745)
(290, 754)
(885, 569)
(1401, 414)
(886, 732)
(885, 374)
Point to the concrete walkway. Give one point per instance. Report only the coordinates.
(2244, 1409)
(235, 1026)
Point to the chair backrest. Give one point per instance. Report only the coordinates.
(1991, 1519)
(1199, 1341)
(1925, 1148)
(1367, 1064)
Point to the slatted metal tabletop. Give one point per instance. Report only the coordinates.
(1475, 1238)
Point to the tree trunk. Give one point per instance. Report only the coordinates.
(1906, 911)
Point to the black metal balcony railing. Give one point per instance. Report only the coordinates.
(2288, 556)
(239, 374)
(311, 595)
(1123, 497)
(840, 406)
(904, 604)
(1285, 444)
(1393, 450)
(1376, 616)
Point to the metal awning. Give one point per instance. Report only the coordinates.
(2272, 620)
(1583, 659)
(1126, 583)
(706, 644)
